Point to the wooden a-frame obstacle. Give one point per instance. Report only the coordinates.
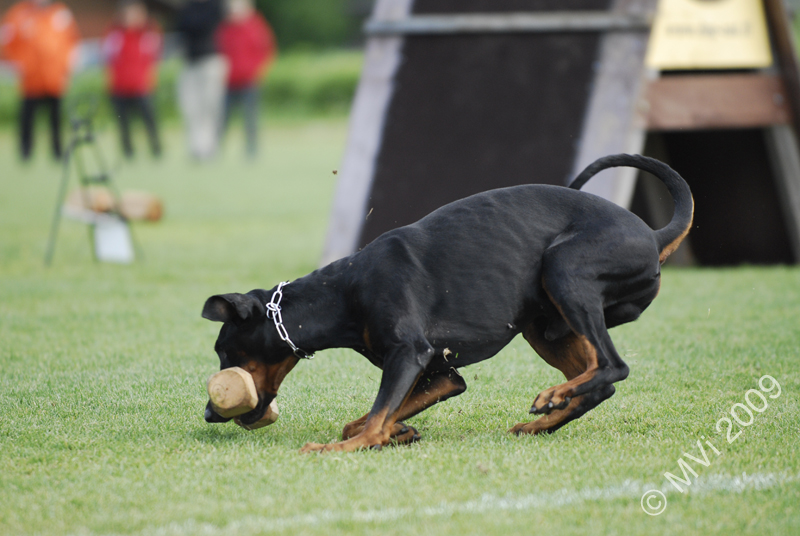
(461, 96)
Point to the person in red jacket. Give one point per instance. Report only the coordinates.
(40, 38)
(132, 48)
(247, 41)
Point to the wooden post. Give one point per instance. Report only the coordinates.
(782, 141)
(783, 41)
(782, 147)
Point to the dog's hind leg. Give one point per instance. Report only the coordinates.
(569, 355)
(576, 288)
(556, 419)
(430, 389)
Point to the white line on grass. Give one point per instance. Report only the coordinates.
(485, 503)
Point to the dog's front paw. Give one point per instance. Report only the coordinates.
(541, 425)
(401, 433)
(351, 445)
(538, 426)
(314, 447)
(521, 428)
(405, 435)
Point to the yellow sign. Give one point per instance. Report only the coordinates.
(709, 34)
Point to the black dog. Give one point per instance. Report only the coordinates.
(558, 265)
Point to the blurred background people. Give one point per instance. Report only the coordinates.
(41, 39)
(248, 43)
(201, 85)
(132, 48)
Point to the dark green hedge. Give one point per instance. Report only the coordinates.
(315, 23)
(299, 83)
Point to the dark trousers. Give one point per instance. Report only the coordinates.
(247, 99)
(123, 109)
(27, 118)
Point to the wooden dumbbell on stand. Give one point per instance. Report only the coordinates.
(232, 392)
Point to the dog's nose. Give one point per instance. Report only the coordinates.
(212, 416)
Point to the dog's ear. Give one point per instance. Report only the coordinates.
(233, 308)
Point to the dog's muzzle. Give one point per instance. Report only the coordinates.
(212, 416)
(252, 417)
(248, 418)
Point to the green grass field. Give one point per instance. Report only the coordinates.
(102, 371)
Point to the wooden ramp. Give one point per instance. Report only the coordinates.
(461, 96)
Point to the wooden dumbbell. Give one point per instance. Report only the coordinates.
(270, 416)
(232, 392)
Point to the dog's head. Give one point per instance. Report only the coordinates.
(248, 339)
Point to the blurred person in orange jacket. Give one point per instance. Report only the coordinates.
(247, 40)
(41, 39)
(132, 48)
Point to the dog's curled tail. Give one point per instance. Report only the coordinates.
(670, 237)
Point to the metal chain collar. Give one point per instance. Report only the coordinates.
(274, 312)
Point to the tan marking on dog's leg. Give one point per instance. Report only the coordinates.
(545, 422)
(400, 432)
(558, 394)
(424, 395)
(566, 354)
(427, 394)
(367, 341)
(377, 428)
(376, 433)
(575, 357)
(354, 428)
